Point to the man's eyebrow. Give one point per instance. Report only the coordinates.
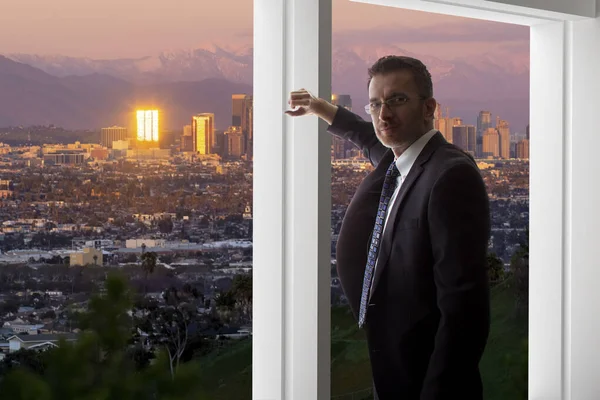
(395, 94)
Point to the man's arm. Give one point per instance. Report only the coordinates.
(459, 223)
(350, 126)
(343, 123)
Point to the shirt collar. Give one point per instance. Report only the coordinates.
(406, 160)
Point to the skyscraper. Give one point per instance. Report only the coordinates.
(242, 115)
(504, 132)
(523, 149)
(459, 137)
(464, 137)
(237, 109)
(342, 100)
(112, 134)
(234, 140)
(248, 127)
(443, 124)
(471, 140)
(491, 143)
(203, 131)
(484, 121)
(147, 126)
(339, 145)
(438, 112)
(187, 139)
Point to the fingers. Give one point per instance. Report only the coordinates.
(300, 100)
(299, 103)
(304, 97)
(300, 94)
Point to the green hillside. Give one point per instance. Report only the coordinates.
(227, 375)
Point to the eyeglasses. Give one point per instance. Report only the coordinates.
(374, 108)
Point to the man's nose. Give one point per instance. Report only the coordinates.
(385, 113)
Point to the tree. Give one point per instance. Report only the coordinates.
(24, 358)
(519, 266)
(225, 303)
(495, 268)
(168, 327)
(50, 314)
(165, 225)
(242, 291)
(98, 364)
(148, 266)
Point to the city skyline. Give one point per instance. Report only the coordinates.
(154, 46)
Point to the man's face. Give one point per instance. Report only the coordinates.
(405, 116)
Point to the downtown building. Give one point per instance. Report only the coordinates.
(112, 134)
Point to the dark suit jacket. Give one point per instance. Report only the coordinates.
(429, 313)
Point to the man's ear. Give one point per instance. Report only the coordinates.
(429, 109)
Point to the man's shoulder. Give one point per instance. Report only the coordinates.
(448, 156)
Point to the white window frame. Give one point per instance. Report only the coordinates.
(292, 198)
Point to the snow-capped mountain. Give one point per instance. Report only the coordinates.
(494, 81)
(235, 64)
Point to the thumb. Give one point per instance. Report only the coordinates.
(296, 113)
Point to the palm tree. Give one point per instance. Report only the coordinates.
(148, 265)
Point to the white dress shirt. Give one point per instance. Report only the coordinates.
(404, 164)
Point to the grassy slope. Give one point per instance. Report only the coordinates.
(228, 375)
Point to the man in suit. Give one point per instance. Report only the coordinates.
(411, 253)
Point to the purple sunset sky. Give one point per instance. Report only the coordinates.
(135, 28)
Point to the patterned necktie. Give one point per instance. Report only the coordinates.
(389, 186)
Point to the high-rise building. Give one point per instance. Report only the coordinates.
(471, 140)
(460, 137)
(527, 132)
(112, 134)
(339, 146)
(237, 109)
(242, 108)
(248, 127)
(220, 146)
(504, 132)
(444, 125)
(437, 114)
(342, 100)
(484, 121)
(203, 132)
(523, 149)
(234, 140)
(186, 142)
(464, 137)
(491, 143)
(147, 125)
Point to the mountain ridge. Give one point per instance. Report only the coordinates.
(484, 82)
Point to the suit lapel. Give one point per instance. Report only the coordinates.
(388, 235)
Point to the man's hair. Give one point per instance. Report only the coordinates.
(419, 71)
